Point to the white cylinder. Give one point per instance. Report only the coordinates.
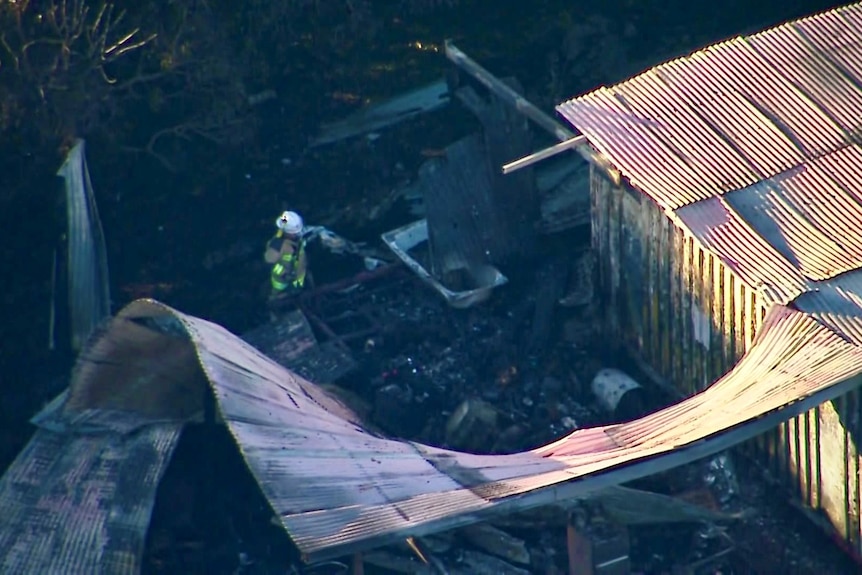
(610, 385)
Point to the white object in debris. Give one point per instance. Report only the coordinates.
(610, 385)
(372, 263)
(484, 278)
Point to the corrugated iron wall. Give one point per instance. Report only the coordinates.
(670, 300)
(691, 318)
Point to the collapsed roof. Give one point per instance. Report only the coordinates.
(84, 486)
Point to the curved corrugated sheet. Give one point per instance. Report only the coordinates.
(89, 294)
(339, 488)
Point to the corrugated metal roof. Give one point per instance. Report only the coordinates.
(628, 142)
(784, 233)
(721, 230)
(771, 124)
(837, 303)
(733, 114)
(837, 35)
(813, 73)
(729, 111)
(339, 488)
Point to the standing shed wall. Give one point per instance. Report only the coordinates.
(667, 298)
(691, 318)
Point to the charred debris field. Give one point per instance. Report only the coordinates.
(190, 171)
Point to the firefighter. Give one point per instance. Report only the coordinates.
(286, 253)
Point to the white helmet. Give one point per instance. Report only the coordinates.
(290, 223)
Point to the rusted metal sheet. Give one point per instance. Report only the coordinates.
(81, 502)
(733, 114)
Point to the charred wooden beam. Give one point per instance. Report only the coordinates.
(518, 102)
(506, 93)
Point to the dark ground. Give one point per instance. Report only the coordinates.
(192, 239)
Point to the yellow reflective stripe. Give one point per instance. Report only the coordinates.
(285, 267)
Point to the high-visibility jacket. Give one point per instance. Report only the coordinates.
(287, 272)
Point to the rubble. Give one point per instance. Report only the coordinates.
(466, 379)
(397, 563)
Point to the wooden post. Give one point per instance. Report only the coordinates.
(546, 153)
(506, 93)
(580, 552)
(358, 565)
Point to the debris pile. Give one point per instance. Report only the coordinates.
(462, 378)
(474, 380)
